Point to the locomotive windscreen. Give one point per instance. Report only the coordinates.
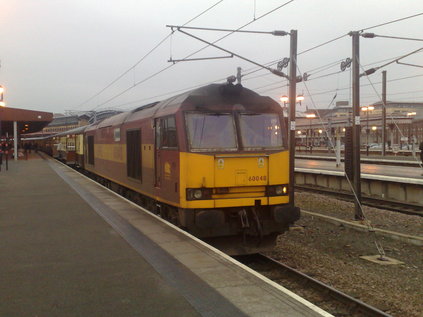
(218, 131)
(210, 131)
(260, 130)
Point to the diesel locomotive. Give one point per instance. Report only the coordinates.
(213, 161)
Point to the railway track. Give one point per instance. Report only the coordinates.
(409, 209)
(328, 298)
(322, 295)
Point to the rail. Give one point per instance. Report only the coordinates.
(337, 302)
(401, 207)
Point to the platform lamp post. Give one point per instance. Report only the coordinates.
(374, 129)
(367, 109)
(410, 135)
(285, 100)
(310, 116)
(2, 105)
(299, 137)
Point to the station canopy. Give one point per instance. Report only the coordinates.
(28, 121)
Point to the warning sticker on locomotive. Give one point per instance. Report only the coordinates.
(167, 170)
(240, 177)
(260, 162)
(220, 163)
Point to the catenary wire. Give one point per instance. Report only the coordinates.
(346, 88)
(360, 206)
(145, 56)
(399, 38)
(166, 68)
(315, 47)
(391, 60)
(393, 21)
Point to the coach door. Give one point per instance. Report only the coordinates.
(167, 155)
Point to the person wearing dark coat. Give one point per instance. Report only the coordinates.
(421, 152)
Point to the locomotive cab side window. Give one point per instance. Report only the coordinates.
(166, 136)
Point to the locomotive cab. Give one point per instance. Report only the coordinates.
(212, 161)
(234, 171)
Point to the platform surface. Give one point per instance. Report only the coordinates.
(374, 169)
(70, 247)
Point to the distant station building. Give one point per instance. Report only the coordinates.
(22, 121)
(404, 123)
(15, 123)
(63, 123)
(72, 120)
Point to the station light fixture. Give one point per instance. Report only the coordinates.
(374, 128)
(300, 98)
(367, 108)
(310, 115)
(409, 114)
(284, 99)
(299, 132)
(2, 104)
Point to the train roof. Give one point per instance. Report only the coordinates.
(201, 98)
(78, 130)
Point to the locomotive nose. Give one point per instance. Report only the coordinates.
(231, 171)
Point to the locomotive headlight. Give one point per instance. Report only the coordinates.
(197, 194)
(277, 190)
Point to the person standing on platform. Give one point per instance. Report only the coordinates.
(421, 152)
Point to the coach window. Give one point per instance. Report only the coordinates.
(116, 134)
(133, 154)
(167, 136)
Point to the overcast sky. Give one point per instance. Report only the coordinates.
(57, 54)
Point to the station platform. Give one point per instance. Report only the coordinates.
(70, 247)
(372, 159)
(402, 173)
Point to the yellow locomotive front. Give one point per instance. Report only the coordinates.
(234, 176)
